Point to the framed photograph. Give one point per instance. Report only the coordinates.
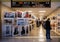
(20, 22)
(7, 30)
(58, 27)
(58, 23)
(26, 15)
(8, 21)
(9, 15)
(54, 17)
(19, 14)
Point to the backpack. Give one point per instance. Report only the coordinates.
(44, 25)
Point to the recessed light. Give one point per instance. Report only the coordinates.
(42, 11)
(29, 11)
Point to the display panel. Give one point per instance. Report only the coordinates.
(31, 4)
(20, 21)
(8, 21)
(9, 15)
(58, 20)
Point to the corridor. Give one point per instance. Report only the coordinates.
(21, 21)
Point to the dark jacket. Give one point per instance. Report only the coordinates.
(38, 22)
(48, 27)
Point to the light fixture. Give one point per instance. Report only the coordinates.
(29, 11)
(19, 11)
(42, 11)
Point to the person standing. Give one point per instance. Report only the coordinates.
(48, 28)
(38, 22)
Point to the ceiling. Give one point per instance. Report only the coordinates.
(35, 11)
(31, 0)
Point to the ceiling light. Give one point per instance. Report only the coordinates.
(42, 11)
(29, 11)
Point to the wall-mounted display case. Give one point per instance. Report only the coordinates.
(54, 23)
(13, 22)
(58, 20)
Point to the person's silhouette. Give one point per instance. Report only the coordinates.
(48, 28)
(38, 22)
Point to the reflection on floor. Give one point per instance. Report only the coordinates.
(38, 36)
(29, 40)
(41, 31)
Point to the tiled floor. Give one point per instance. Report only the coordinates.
(36, 35)
(41, 31)
(29, 40)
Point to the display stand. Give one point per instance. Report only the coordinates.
(16, 24)
(7, 23)
(53, 25)
(58, 23)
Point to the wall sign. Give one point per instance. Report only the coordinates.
(30, 4)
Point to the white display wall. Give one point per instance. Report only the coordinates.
(54, 23)
(58, 23)
(15, 20)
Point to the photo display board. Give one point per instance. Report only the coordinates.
(58, 18)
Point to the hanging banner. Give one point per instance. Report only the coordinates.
(31, 4)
